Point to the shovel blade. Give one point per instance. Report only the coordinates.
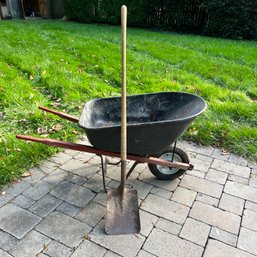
(122, 215)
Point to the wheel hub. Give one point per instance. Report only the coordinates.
(168, 157)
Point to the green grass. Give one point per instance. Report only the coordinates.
(65, 64)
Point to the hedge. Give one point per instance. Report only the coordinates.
(223, 18)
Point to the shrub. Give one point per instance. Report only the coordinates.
(224, 18)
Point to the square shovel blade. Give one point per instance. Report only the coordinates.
(122, 216)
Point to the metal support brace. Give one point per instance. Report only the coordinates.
(131, 169)
(174, 148)
(104, 163)
(104, 170)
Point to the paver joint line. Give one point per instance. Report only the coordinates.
(208, 212)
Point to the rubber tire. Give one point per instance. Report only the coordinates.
(158, 174)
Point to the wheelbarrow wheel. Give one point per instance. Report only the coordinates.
(166, 173)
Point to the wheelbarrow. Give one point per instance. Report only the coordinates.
(142, 132)
(154, 123)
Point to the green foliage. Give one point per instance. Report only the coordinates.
(81, 10)
(223, 18)
(232, 19)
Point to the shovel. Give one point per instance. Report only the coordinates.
(122, 216)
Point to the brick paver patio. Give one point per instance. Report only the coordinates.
(59, 210)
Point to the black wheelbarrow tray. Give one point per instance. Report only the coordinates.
(154, 122)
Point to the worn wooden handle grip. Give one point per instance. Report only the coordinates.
(60, 114)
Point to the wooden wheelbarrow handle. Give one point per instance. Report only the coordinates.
(60, 114)
(91, 149)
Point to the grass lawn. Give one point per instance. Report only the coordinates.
(64, 64)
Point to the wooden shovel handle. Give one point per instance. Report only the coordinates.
(123, 101)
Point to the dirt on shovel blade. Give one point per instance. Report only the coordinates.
(122, 215)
